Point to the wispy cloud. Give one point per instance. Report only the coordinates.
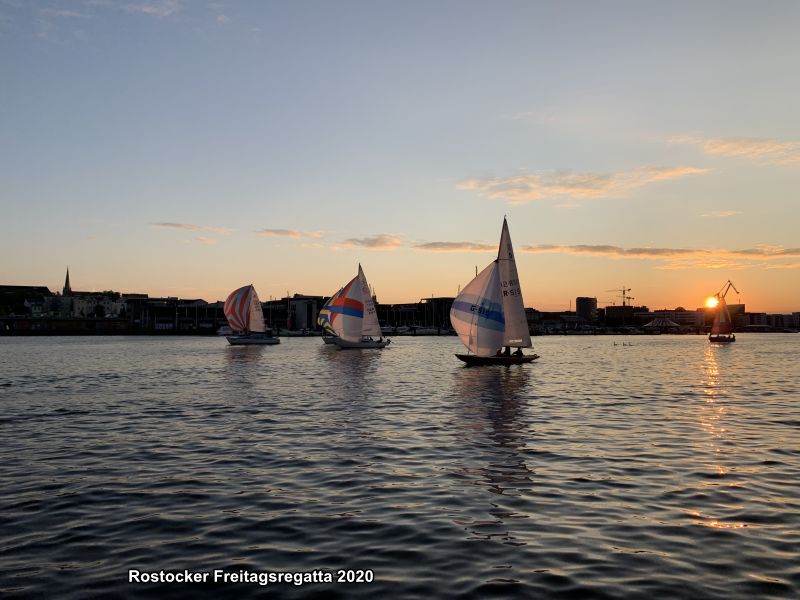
(679, 258)
(758, 253)
(721, 214)
(63, 13)
(784, 266)
(192, 227)
(155, 8)
(205, 240)
(222, 19)
(456, 247)
(292, 233)
(761, 150)
(520, 189)
(381, 241)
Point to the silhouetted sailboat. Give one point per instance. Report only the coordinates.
(489, 313)
(246, 319)
(353, 317)
(722, 329)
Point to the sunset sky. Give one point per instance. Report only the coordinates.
(188, 148)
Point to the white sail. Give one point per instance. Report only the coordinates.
(477, 313)
(517, 333)
(369, 325)
(348, 312)
(255, 323)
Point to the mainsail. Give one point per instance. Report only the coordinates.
(243, 311)
(477, 313)
(722, 322)
(370, 325)
(516, 332)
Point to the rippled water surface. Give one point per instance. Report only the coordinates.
(663, 468)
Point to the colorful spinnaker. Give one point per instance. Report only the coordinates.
(324, 318)
(243, 311)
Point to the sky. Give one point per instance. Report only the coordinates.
(187, 148)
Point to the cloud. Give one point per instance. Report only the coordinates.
(679, 258)
(722, 213)
(192, 227)
(759, 253)
(784, 266)
(292, 233)
(155, 8)
(205, 240)
(381, 241)
(762, 150)
(222, 19)
(62, 13)
(519, 189)
(769, 151)
(456, 247)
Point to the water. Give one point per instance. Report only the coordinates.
(669, 468)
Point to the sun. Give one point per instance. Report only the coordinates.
(711, 302)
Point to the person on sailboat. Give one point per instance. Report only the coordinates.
(508, 351)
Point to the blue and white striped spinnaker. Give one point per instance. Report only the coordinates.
(477, 313)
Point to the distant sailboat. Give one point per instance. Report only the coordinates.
(489, 313)
(246, 319)
(352, 316)
(722, 329)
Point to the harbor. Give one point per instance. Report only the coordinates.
(598, 471)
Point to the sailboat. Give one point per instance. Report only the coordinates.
(722, 329)
(489, 314)
(352, 316)
(246, 319)
(324, 319)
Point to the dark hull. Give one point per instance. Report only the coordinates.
(722, 339)
(254, 339)
(480, 361)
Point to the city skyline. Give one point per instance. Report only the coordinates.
(173, 148)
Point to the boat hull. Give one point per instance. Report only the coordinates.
(481, 361)
(363, 344)
(252, 340)
(328, 339)
(722, 339)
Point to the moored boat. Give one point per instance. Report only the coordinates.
(489, 313)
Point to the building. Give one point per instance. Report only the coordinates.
(625, 316)
(435, 312)
(586, 308)
(303, 311)
(23, 299)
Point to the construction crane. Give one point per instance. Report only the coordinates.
(623, 291)
(723, 291)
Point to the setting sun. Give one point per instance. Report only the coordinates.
(711, 302)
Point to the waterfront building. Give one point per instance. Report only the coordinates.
(586, 308)
(303, 311)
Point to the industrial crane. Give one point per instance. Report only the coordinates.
(624, 293)
(723, 291)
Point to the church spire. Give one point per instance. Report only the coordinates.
(67, 289)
